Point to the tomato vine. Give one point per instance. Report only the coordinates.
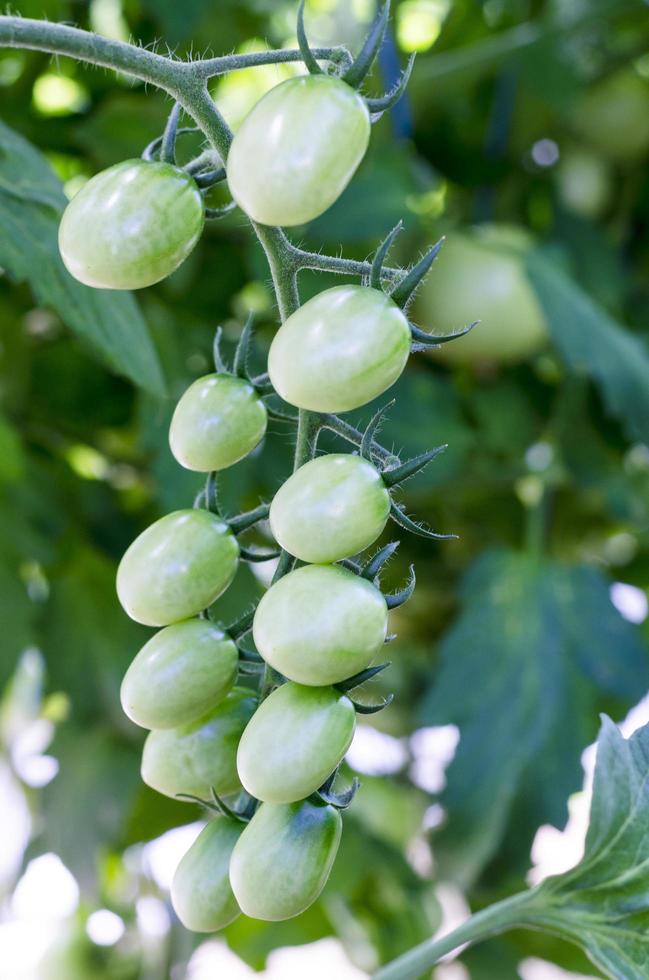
(206, 733)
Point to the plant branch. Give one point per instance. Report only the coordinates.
(489, 922)
(210, 67)
(302, 259)
(353, 435)
(40, 35)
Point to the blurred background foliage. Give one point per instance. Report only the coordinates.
(527, 117)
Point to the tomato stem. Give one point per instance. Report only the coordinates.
(491, 921)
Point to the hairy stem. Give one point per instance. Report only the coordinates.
(489, 922)
(353, 435)
(209, 67)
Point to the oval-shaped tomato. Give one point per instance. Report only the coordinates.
(297, 150)
(282, 860)
(340, 350)
(218, 421)
(177, 567)
(131, 225)
(182, 672)
(201, 893)
(330, 508)
(480, 276)
(294, 740)
(320, 624)
(194, 758)
(613, 116)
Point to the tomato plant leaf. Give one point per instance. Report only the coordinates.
(31, 201)
(592, 343)
(530, 659)
(603, 903)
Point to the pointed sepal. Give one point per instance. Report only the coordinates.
(357, 679)
(253, 554)
(425, 340)
(240, 628)
(219, 364)
(405, 289)
(395, 475)
(381, 255)
(378, 106)
(242, 352)
(395, 599)
(371, 47)
(400, 518)
(372, 567)
(371, 430)
(339, 800)
(372, 709)
(212, 214)
(308, 58)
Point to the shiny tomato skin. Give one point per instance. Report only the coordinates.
(294, 741)
(330, 508)
(131, 225)
(194, 758)
(218, 421)
(201, 893)
(282, 860)
(341, 349)
(182, 672)
(177, 567)
(297, 150)
(320, 624)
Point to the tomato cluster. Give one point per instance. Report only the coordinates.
(272, 749)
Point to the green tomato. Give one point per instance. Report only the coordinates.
(613, 116)
(297, 150)
(131, 225)
(218, 421)
(480, 275)
(330, 508)
(194, 758)
(294, 740)
(282, 860)
(585, 182)
(177, 567)
(340, 350)
(182, 672)
(201, 893)
(320, 624)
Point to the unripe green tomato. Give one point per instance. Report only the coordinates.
(340, 350)
(177, 567)
(585, 182)
(613, 116)
(182, 672)
(320, 624)
(218, 421)
(131, 225)
(194, 758)
(201, 893)
(282, 860)
(297, 150)
(294, 741)
(330, 508)
(480, 275)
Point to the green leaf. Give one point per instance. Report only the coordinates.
(31, 201)
(523, 672)
(603, 903)
(593, 343)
